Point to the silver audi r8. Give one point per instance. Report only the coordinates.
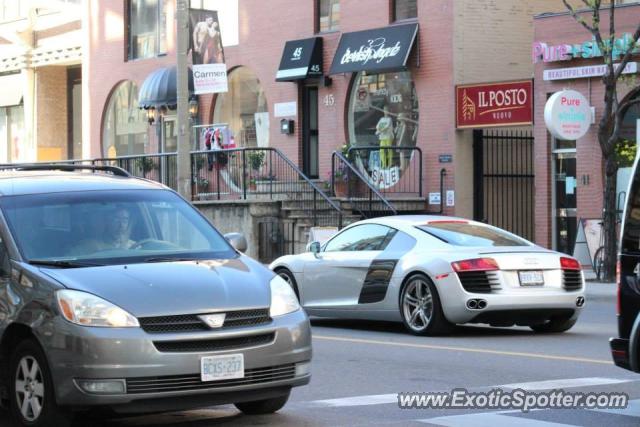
(431, 272)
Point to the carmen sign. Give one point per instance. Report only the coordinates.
(494, 104)
(567, 115)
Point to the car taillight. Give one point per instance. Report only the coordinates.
(569, 263)
(618, 284)
(476, 264)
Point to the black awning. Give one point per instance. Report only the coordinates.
(159, 89)
(381, 49)
(301, 59)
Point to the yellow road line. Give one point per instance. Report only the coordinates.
(465, 349)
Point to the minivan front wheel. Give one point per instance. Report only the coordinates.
(31, 389)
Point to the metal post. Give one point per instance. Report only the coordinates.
(244, 175)
(315, 209)
(183, 160)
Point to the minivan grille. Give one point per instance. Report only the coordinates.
(193, 382)
(479, 281)
(571, 279)
(192, 323)
(214, 344)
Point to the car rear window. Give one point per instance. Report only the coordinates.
(466, 234)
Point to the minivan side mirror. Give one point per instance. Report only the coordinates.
(238, 241)
(314, 248)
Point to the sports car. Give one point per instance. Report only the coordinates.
(432, 272)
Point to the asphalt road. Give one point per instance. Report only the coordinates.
(359, 367)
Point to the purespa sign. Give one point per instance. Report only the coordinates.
(541, 51)
(567, 115)
(494, 104)
(380, 49)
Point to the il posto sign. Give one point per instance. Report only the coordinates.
(494, 104)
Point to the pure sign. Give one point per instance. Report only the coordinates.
(494, 104)
(567, 115)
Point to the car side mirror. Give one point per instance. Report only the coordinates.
(314, 248)
(238, 241)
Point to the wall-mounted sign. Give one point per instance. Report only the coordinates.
(567, 115)
(285, 109)
(209, 69)
(434, 198)
(451, 198)
(445, 158)
(380, 49)
(494, 104)
(589, 49)
(584, 72)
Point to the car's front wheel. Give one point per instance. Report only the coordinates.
(555, 325)
(421, 309)
(32, 397)
(266, 406)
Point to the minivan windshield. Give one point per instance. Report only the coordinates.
(110, 227)
(465, 234)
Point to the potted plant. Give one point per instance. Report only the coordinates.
(340, 181)
(201, 183)
(145, 165)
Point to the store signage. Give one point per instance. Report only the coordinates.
(589, 49)
(209, 69)
(445, 158)
(301, 59)
(380, 49)
(285, 109)
(567, 115)
(584, 72)
(494, 104)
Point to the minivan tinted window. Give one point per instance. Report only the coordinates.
(631, 234)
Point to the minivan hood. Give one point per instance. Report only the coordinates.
(170, 288)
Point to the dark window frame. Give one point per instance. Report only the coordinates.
(318, 16)
(130, 54)
(394, 16)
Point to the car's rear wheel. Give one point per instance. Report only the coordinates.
(555, 325)
(32, 399)
(266, 406)
(421, 309)
(288, 277)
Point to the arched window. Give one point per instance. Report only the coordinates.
(383, 111)
(124, 129)
(244, 109)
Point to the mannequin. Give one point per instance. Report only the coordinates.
(384, 132)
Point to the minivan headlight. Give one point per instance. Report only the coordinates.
(283, 299)
(86, 309)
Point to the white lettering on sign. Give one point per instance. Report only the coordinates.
(584, 72)
(329, 100)
(502, 98)
(297, 54)
(375, 50)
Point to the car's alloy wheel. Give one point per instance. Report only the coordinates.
(287, 276)
(29, 388)
(417, 304)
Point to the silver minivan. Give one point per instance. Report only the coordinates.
(115, 292)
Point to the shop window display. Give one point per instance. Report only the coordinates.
(383, 112)
(124, 129)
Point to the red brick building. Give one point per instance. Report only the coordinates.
(569, 174)
(457, 43)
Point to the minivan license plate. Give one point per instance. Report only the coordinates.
(531, 278)
(214, 368)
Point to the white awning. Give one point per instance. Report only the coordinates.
(10, 90)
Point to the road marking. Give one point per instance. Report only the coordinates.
(375, 399)
(632, 410)
(565, 383)
(490, 419)
(466, 349)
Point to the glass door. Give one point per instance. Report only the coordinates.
(310, 131)
(564, 200)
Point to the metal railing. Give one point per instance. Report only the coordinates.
(347, 181)
(394, 171)
(162, 167)
(253, 173)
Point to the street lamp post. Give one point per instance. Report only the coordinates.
(184, 156)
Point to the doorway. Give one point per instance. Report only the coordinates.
(565, 222)
(310, 131)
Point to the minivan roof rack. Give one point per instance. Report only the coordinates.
(65, 167)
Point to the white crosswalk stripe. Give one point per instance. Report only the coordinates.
(564, 383)
(490, 419)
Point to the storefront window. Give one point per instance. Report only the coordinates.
(383, 111)
(244, 109)
(405, 9)
(11, 133)
(628, 130)
(147, 28)
(124, 130)
(328, 15)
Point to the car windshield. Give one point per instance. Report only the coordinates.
(466, 234)
(110, 227)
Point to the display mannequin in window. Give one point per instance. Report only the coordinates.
(385, 133)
